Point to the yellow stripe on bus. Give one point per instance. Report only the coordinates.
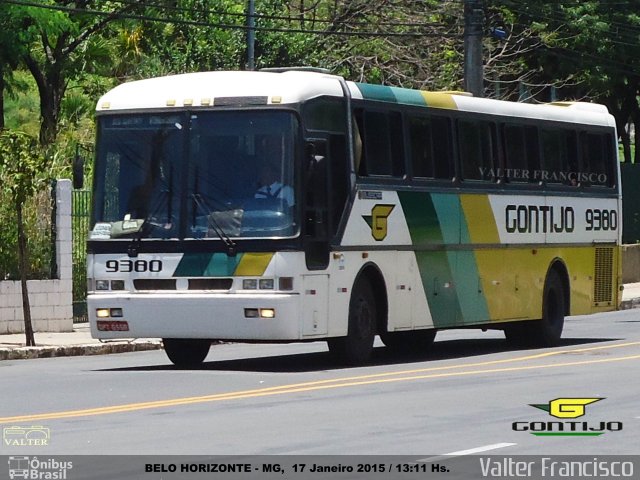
(253, 264)
(439, 100)
(480, 220)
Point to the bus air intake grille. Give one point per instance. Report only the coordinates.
(603, 284)
(210, 283)
(150, 284)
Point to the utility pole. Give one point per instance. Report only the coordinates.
(251, 35)
(473, 28)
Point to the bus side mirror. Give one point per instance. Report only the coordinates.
(316, 156)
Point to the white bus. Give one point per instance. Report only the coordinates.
(296, 206)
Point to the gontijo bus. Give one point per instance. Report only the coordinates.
(393, 212)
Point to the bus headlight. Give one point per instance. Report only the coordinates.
(102, 285)
(267, 313)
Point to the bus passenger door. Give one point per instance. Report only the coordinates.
(315, 305)
(316, 206)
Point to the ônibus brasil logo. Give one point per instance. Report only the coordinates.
(567, 408)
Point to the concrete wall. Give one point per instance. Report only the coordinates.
(631, 263)
(51, 300)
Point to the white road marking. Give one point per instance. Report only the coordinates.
(470, 451)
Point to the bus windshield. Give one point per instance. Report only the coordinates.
(196, 175)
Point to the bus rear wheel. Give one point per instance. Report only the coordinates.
(356, 347)
(184, 352)
(547, 331)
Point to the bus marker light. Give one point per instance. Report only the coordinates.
(266, 284)
(285, 283)
(250, 284)
(268, 312)
(102, 312)
(112, 326)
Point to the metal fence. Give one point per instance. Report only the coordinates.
(80, 219)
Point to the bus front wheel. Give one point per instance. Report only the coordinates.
(356, 347)
(185, 352)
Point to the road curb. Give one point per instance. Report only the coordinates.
(24, 353)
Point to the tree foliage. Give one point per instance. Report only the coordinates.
(21, 163)
(588, 48)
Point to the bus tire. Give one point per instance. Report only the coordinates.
(411, 342)
(547, 331)
(185, 352)
(356, 347)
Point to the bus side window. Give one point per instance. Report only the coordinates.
(383, 146)
(476, 146)
(522, 153)
(559, 160)
(430, 144)
(596, 159)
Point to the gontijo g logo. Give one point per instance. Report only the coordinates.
(377, 221)
(567, 408)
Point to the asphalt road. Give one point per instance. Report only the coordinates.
(463, 397)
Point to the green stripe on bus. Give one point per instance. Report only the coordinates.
(473, 303)
(207, 265)
(376, 92)
(435, 267)
(421, 218)
(392, 94)
(449, 277)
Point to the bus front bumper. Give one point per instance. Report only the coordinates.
(273, 317)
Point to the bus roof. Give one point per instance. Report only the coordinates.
(208, 89)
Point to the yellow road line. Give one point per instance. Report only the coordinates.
(380, 378)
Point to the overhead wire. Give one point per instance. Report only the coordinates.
(263, 16)
(131, 16)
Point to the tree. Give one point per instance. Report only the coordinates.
(590, 47)
(52, 36)
(21, 166)
(10, 52)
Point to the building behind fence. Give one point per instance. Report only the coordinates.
(51, 300)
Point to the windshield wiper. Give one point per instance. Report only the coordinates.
(134, 246)
(214, 225)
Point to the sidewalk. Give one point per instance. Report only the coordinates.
(79, 342)
(630, 296)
